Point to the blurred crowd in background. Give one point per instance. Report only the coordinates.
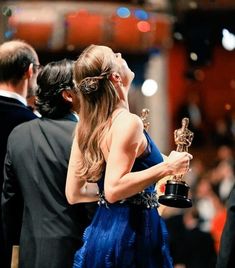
(195, 232)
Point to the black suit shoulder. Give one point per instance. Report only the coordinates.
(41, 133)
(12, 113)
(10, 106)
(226, 257)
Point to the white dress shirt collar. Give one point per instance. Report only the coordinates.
(13, 95)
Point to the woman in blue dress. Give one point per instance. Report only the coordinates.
(114, 161)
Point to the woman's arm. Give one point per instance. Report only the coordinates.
(78, 190)
(120, 182)
(127, 137)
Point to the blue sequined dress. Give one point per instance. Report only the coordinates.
(129, 233)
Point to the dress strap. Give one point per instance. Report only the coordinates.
(147, 149)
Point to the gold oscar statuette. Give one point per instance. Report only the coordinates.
(143, 116)
(176, 189)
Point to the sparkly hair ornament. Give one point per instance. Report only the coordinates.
(89, 85)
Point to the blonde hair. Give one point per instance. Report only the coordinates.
(98, 98)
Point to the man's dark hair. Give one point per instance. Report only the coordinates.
(15, 58)
(55, 77)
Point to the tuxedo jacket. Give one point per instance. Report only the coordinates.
(12, 113)
(36, 167)
(226, 256)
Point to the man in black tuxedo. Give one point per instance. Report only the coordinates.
(226, 256)
(18, 72)
(36, 166)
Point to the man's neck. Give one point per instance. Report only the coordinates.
(19, 89)
(13, 95)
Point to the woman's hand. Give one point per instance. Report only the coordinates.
(178, 162)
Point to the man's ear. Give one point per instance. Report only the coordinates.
(67, 95)
(29, 72)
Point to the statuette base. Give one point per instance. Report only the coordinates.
(176, 195)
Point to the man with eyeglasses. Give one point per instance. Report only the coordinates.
(18, 79)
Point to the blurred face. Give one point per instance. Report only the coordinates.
(32, 85)
(122, 68)
(126, 74)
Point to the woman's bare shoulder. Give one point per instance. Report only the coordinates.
(128, 123)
